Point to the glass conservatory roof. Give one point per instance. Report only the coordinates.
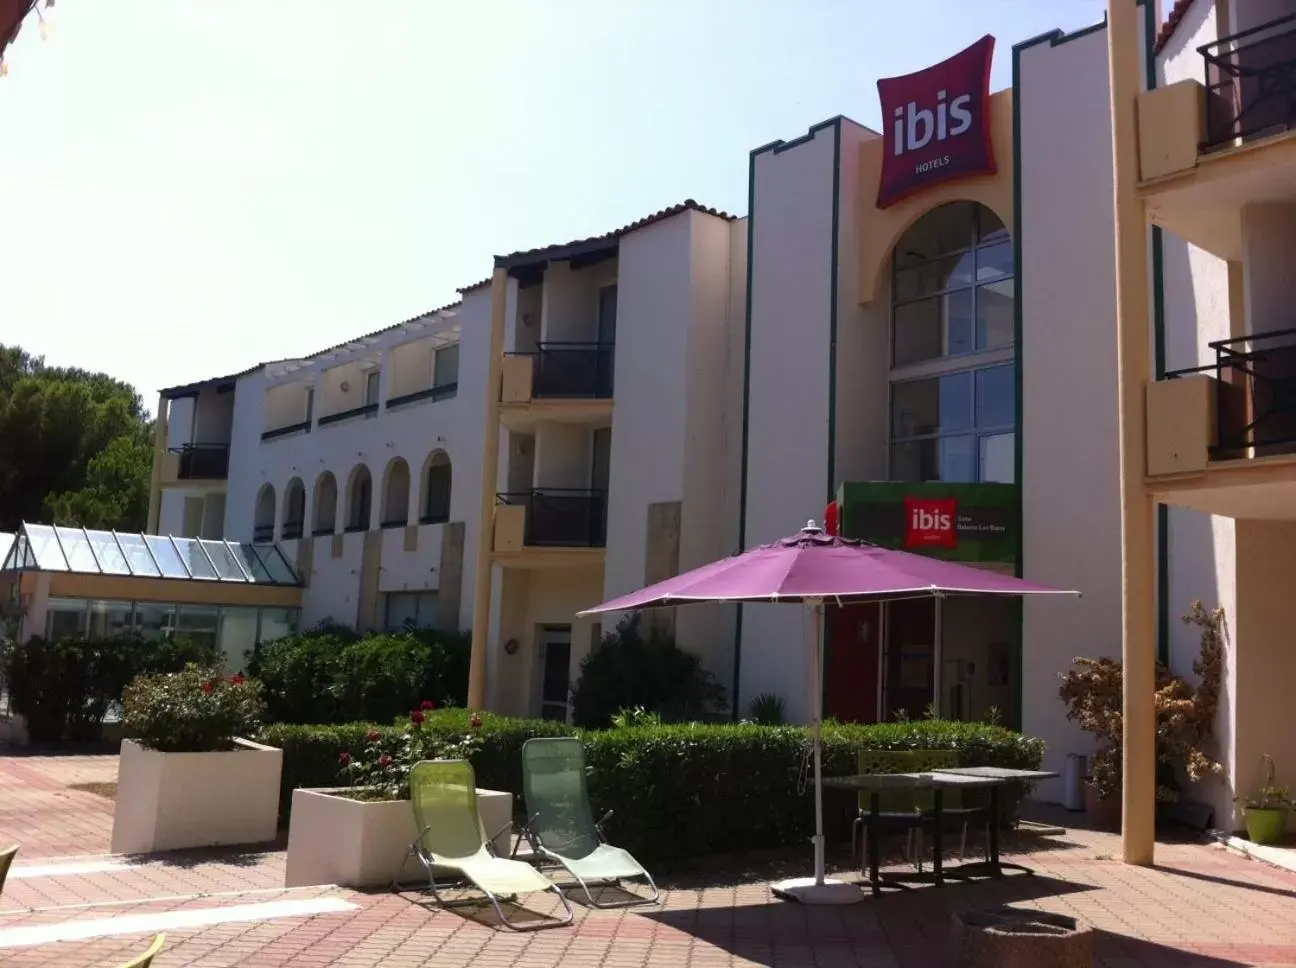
(43, 547)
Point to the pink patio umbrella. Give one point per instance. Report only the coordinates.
(813, 568)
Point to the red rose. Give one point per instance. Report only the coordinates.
(373, 736)
(427, 705)
(344, 758)
(417, 717)
(207, 687)
(238, 679)
(384, 760)
(475, 722)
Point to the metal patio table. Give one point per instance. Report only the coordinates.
(954, 778)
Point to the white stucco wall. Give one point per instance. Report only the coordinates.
(333, 592)
(1070, 474)
(787, 456)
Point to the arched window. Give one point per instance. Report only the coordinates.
(263, 522)
(359, 499)
(396, 494)
(324, 515)
(294, 509)
(436, 488)
(953, 302)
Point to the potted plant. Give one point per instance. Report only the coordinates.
(186, 776)
(359, 835)
(1266, 812)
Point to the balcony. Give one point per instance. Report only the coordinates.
(551, 518)
(263, 533)
(432, 394)
(1250, 84)
(303, 427)
(368, 410)
(202, 462)
(570, 382)
(291, 530)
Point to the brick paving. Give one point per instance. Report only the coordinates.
(1200, 907)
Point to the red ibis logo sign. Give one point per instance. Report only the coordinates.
(929, 522)
(936, 124)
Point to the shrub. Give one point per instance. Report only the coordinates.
(311, 752)
(332, 675)
(64, 688)
(636, 666)
(380, 771)
(192, 711)
(767, 709)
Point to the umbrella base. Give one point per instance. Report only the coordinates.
(805, 890)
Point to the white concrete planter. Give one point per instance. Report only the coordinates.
(335, 839)
(169, 801)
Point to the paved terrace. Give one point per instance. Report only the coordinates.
(69, 903)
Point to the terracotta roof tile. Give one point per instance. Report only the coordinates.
(1177, 13)
(544, 253)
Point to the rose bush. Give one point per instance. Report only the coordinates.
(196, 710)
(380, 770)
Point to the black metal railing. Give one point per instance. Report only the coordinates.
(324, 530)
(435, 517)
(1255, 401)
(1250, 83)
(203, 462)
(263, 532)
(443, 392)
(561, 517)
(399, 521)
(571, 370)
(298, 428)
(364, 411)
(291, 530)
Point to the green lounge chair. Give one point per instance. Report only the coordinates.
(561, 827)
(443, 794)
(6, 861)
(146, 959)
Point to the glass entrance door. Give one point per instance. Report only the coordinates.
(555, 670)
(909, 659)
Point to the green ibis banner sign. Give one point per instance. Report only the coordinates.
(958, 522)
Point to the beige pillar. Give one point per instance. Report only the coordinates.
(490, 475)
(155, 475)
(1138, 782)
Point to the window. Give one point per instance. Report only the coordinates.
(109, 620)
(154, 621)
(952, 285)
(310, 404)
(436, 492)
(372, 384)
(277, 623)
(237, 637)
(959, 427)
(198, 624)
(64, 618)
(410, 609)
(445, 367)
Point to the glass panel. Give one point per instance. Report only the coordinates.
(958, 459)
(14, 560)
(65, 618)
(168, 558)
(110, 557)
(77, 550)
(44, 548)
(951, 272)
(445, 370)
(238, 632)
(252, 563)
(277, 623)
(193, 556)
(198, 623)
(990, 226)
(939, 232)
(999, 459)
(995, 323)
(930, 328)
(137, 556)
(915, 461)
(939, 405)
(110, 620)
(958, 322)
(402, 609)
(994, 262)
(996, 397)
(227, 565)
(153, 621)
(279, 571)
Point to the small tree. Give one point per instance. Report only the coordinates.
(636, 667)
(1185, 715)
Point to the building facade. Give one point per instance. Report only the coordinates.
(916, 325)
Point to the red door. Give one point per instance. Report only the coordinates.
(851, 662)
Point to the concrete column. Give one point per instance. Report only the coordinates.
(1138, 582)
(155, 483)
(490, 474)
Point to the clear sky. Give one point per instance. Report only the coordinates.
(189, 187)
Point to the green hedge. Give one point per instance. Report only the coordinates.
(681, 792)
(311, 752)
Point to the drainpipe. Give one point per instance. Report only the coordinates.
(1138, 566)
(489, 479)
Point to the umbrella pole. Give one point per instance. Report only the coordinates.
(817, 889)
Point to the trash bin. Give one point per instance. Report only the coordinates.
(1073, 794)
